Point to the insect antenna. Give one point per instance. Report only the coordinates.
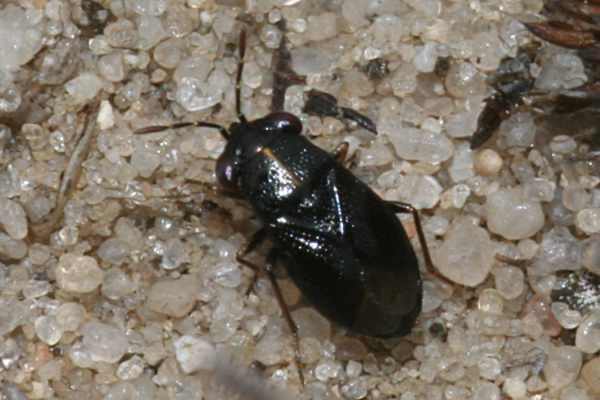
(158, 128)
(238, 108)
(238, 81)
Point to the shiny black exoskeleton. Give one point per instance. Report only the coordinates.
(341, 244)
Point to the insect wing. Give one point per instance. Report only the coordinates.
(348, 253)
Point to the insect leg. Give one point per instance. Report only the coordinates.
(341, 155)
(256, 239)
(271, 259)
(283, 74)
(238, 79)
(325, 105)
(404, 208)
(341, 152)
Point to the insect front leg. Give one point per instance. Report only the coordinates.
(256, 239)
(404, 208)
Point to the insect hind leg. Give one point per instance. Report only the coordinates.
(272, 256)
(404, 208)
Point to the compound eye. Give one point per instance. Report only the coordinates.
(283, 122)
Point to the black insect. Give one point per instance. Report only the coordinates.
(341, 244)
(512, 82)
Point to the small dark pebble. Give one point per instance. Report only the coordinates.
(580, 290)
(376, 69)
(438, 330)
(442, 66)
(567, 337)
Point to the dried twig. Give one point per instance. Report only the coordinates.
(70, 177)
